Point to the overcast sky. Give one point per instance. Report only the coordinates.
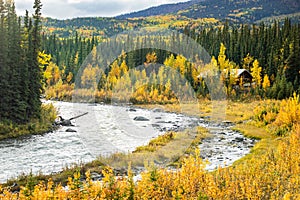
(80, 8)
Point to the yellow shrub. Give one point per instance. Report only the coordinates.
(289, 114)
(275, 175)
(279, 117)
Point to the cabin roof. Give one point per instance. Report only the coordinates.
(236, 72)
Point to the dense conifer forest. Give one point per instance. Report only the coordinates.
(20, 72)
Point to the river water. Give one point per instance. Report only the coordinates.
(107, 129)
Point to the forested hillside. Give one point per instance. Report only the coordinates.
(276, 47)
(198, 13)
(241, 11)
(159, 10)
(106, 27)
(270, 53)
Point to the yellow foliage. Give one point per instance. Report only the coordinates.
(89, 77)
(69, 77)
(52, 74)
(289, 113)
(222, 57)
(266, 83)
(280, 117)
(124, 67)
(180, 63)
(169, 62)
(247, 61)
(274, 175)
(256, 72)
(43, 59)
(151, 57)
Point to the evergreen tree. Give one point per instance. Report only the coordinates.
(3, 55)
(35, 86)
(20, 73)
(14, 65)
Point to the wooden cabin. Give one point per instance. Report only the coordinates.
(242, 75)
(239, 75)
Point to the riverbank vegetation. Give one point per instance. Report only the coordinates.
(40, 125)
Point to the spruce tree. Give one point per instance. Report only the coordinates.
(3, 70)
(35, 86)
(14, 65)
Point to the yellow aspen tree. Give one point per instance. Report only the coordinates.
(114, 74)
(266, 82)
(170, 61)
(94, 54)
(89, 77)
(48, 74)
(180, 63)
(222, 57)
(256, 73)
(76, 59)
(123, 68)
(151, 58)
(195, 74)
(44, 59)
(168, 87)
(52, 74)
(214, 61)
(232, 72)
(69, 78)
(247, 61)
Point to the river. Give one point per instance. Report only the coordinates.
(107, 129)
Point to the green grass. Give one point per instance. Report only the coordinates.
(236, 112)
(266, 141)
(58, 178)
(252, 131)
(167, 149)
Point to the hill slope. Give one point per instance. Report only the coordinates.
(195, 13)
(242, 11)
(159, 10)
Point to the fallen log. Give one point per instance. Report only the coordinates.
(67, 122)
(78, 116)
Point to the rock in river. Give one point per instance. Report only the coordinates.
(132, 110)
(157, 110)
(140, 118)
(69, 130)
